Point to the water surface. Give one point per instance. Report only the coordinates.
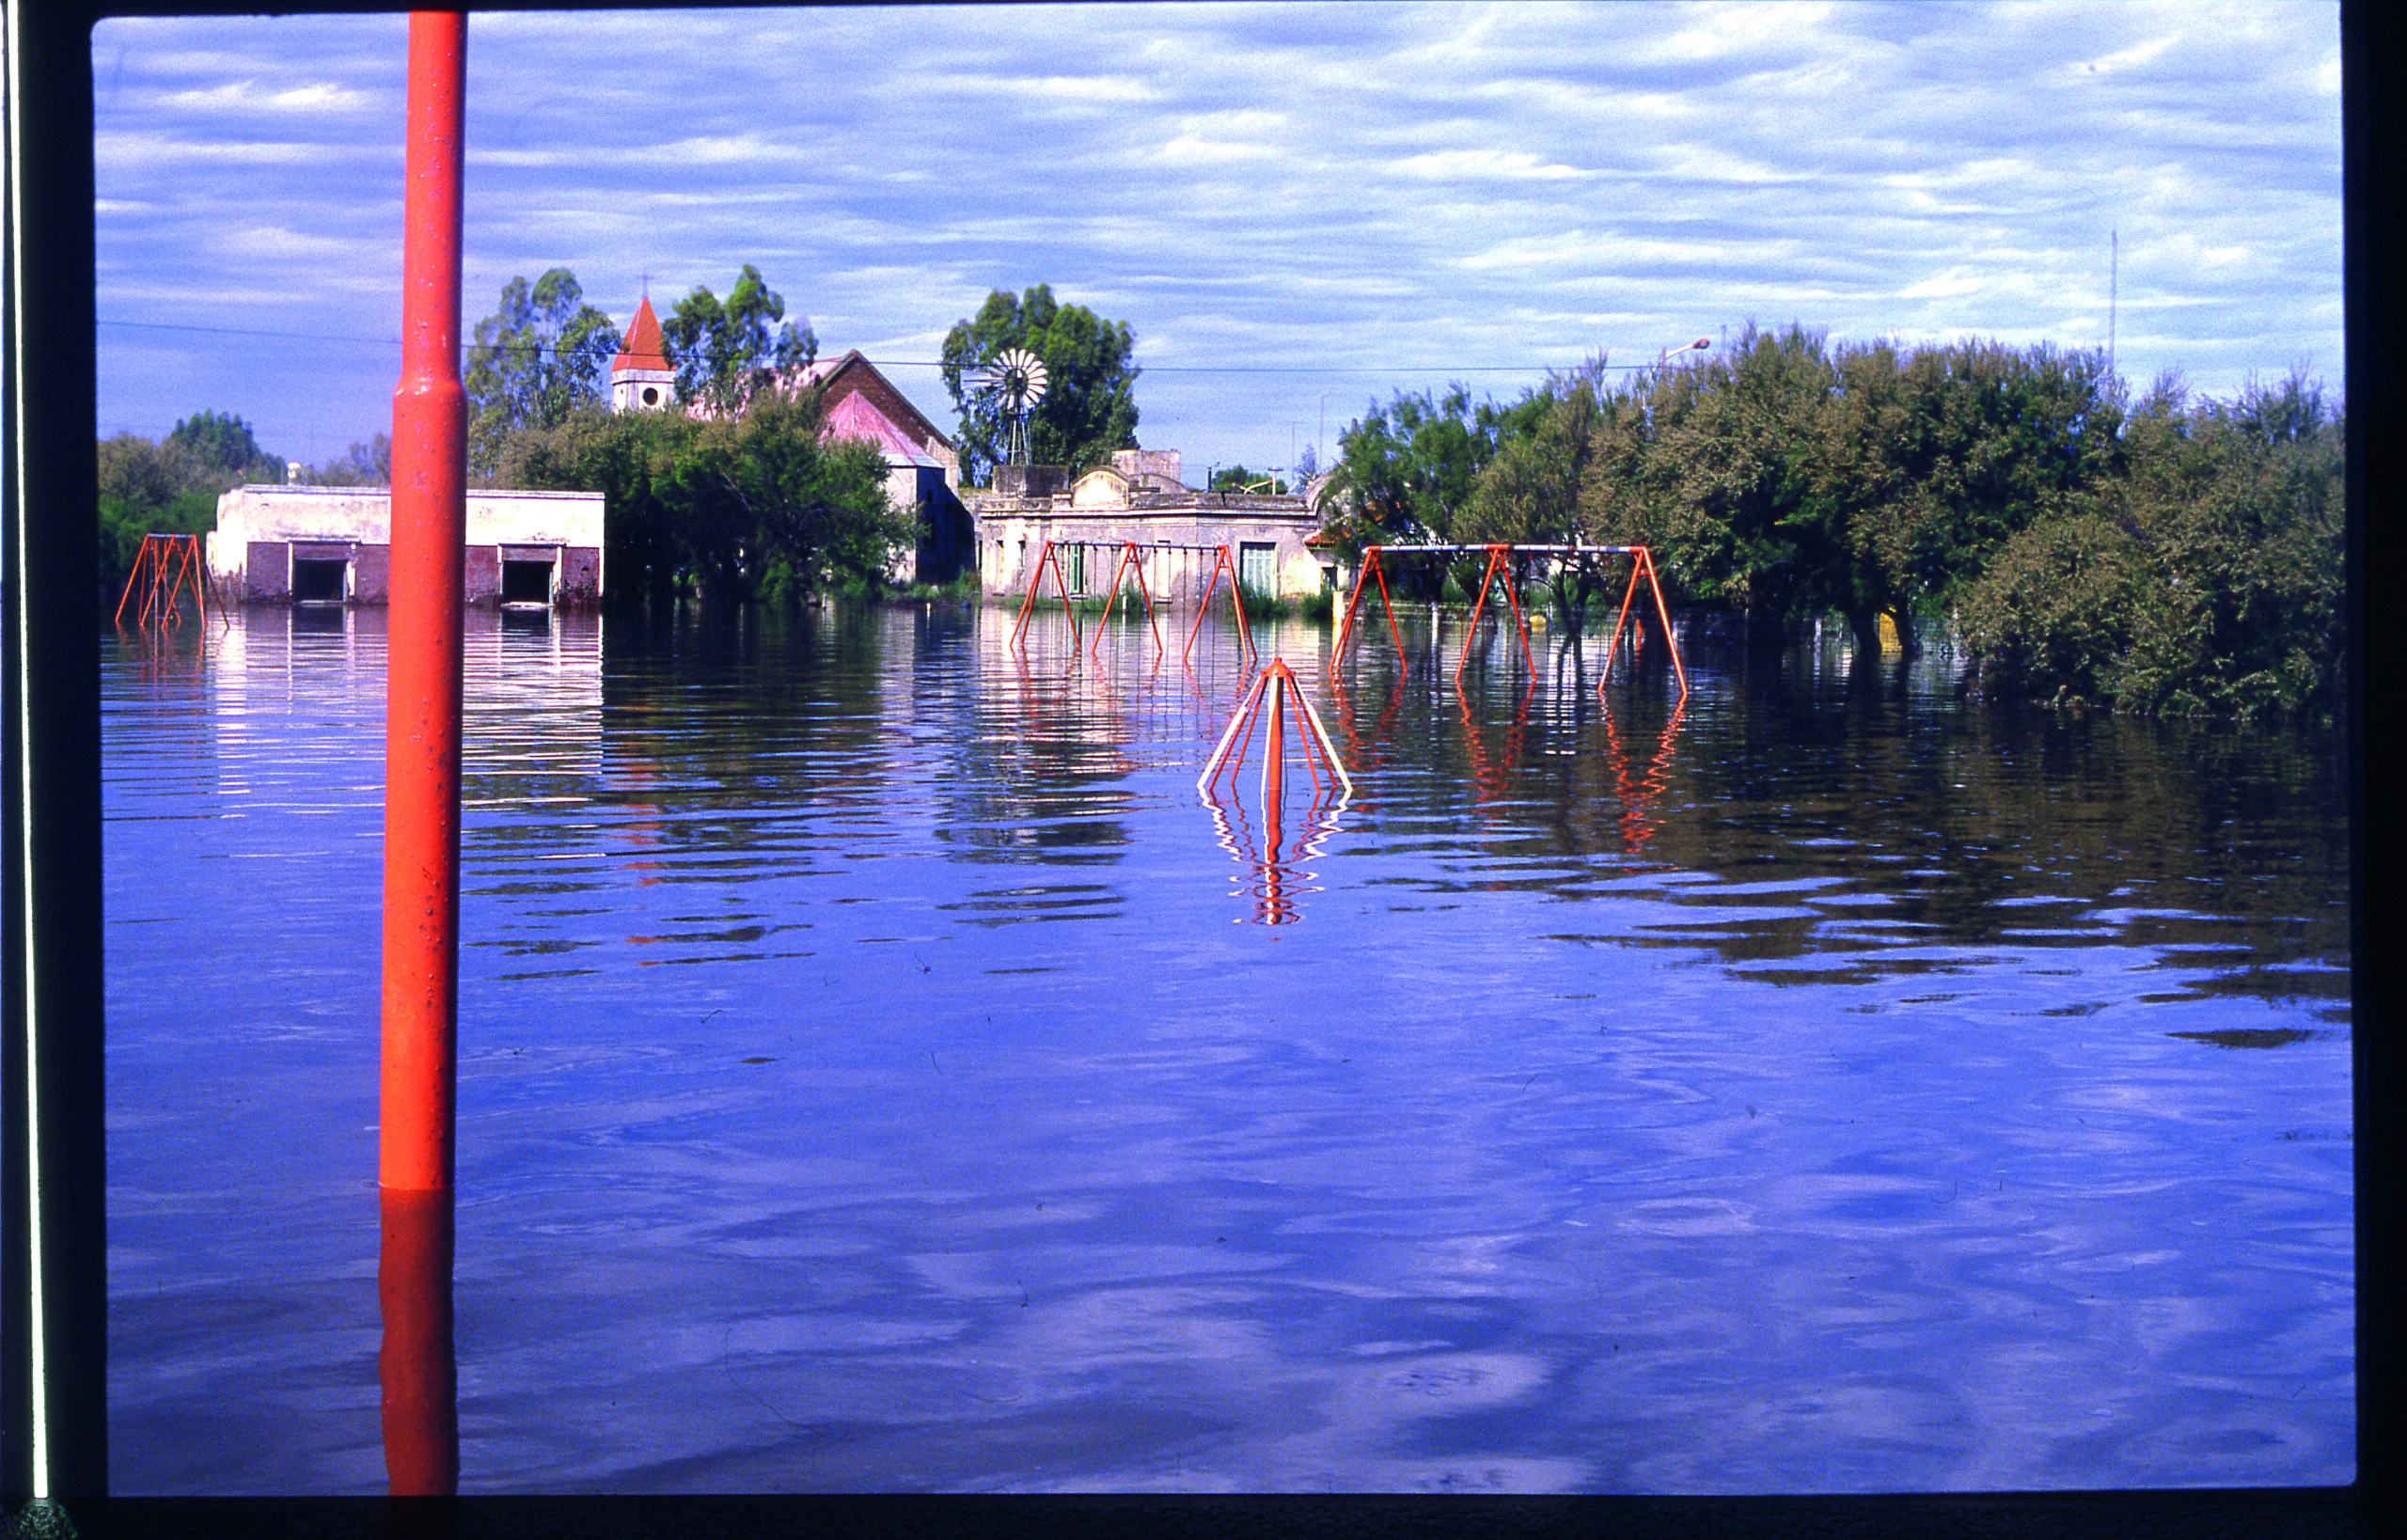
(882, 1069)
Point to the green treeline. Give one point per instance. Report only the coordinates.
(2174, 554)
(752, 506)
(743, 502)
(171, 486)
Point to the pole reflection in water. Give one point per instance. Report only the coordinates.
(416, 1368)
(1274, 875)
(1639, 791)
(1489, 778)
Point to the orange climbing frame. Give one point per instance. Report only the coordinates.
(1045, 558)
(1371, 568)
(1130, 558)
(1128, 562)
(1220, 563)
(1499, 562)
(162, 567)
(1276, 686)
(1643, 564)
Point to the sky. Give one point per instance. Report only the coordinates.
(1299, 208)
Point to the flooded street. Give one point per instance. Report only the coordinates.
(882, 1069)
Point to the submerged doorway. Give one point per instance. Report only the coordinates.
(527, 582)
(320, 580)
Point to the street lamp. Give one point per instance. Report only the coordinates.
(1665, 356)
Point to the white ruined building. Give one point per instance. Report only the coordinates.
(283, 544)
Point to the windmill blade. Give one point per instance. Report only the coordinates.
(1019, 377)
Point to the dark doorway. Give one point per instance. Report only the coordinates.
(527, 582)
(318, 581)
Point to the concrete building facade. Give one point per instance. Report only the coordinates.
(1139, 498)
(284, 544)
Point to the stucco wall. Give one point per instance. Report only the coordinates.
(250, 552)
(1010, 536)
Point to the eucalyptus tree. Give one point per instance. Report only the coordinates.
(749, 505)
(222, 443)
(1090, 403)
(727, 350)
(543, 355)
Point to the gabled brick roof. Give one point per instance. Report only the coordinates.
(853, 377)
(643, 348)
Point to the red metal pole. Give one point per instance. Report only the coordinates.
(1202, 605)
(1387, 604)
(1520, 622)
(421, 944)
(1062, 581)
(1663, 613)
(1028, 604)
(1237, 601)
(1146, 592)
(1346, 626)
(1495, 560)
(1274, 751)
(423, 670)
(1620, 619)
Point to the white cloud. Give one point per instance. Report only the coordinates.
(280, 241)
(1476, 164)
(1111, 88)
(2126, 58)
(1953, 284)
(122, 152)
(1356, 183)
(1721, 31)
(1191, 149)
(248, 95)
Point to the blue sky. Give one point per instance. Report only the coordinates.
(1297, 207)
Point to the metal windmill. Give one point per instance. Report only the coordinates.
(1017, 379)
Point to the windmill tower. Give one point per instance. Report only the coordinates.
(1017, 381)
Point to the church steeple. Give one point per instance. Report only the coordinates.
(640, 378)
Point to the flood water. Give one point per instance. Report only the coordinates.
(881, 1069)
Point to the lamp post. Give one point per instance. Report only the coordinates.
(1665, 356)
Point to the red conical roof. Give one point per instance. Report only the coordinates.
(643, 348)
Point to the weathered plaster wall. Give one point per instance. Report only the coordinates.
(250, 552)
(1010, 533)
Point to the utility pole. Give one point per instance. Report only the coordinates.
(2114, 271)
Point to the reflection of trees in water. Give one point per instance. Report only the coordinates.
(1890, 817)
(769, 732)
(1899, 831)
